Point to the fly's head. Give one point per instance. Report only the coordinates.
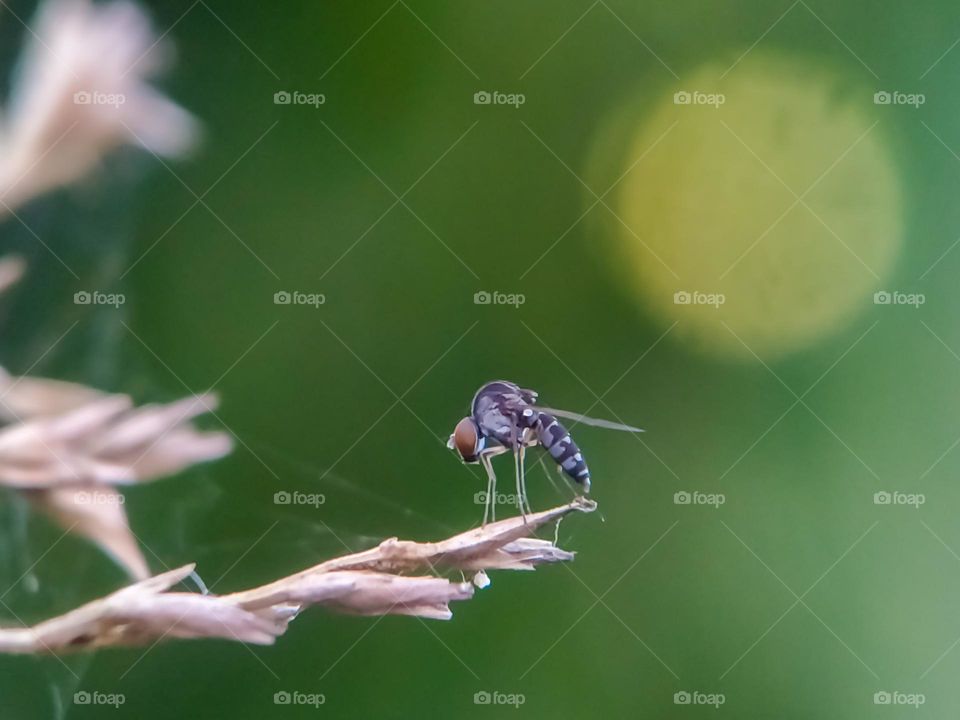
(466, 440)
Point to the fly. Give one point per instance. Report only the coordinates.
(505, 417)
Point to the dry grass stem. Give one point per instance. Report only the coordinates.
(372, 582)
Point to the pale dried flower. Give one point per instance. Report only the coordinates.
(365, 583)
(98, 514)
(24, 397)
(80, 92)
(70, 443)
(12, 268)
(108, 441)
(66, 444)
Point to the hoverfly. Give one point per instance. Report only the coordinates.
(505, 417)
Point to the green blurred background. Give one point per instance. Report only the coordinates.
(798, 597)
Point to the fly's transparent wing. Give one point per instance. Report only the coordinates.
(588, 420)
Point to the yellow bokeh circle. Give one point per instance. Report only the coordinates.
(758, 208)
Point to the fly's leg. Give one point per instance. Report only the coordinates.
(523, 480)
(546, 471)
(518, 462)
(574, 492)
(516, 442)
(490, 507)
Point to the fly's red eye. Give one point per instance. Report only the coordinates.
(465, 438)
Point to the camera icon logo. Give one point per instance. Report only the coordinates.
(681, 698)
(881, 698)
(882, 97)
(681, 97)
(282, 698)
(882, 498)
(482, 98)
(681, 498)
(282, 298)
(81, 698)
(82, 97)
(681, 297)
(282, 498)
(481, 698)
(482, 298)
(882, 297)
(282, 98)
(82, 298)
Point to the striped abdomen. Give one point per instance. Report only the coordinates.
(557, 441)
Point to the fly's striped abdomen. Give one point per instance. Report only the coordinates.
(557, 441)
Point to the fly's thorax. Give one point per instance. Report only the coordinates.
(498, 409)
(528, 418)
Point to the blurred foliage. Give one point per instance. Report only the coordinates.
(699, 598)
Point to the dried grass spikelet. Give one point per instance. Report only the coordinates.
(80, 92)
(73, 443)
(66, 445)
(108, 441)
(25, 397)
(138, 614)
(97, 514)
(12, 268)
(365, 583)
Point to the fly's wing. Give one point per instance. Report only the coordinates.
(583, 419)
